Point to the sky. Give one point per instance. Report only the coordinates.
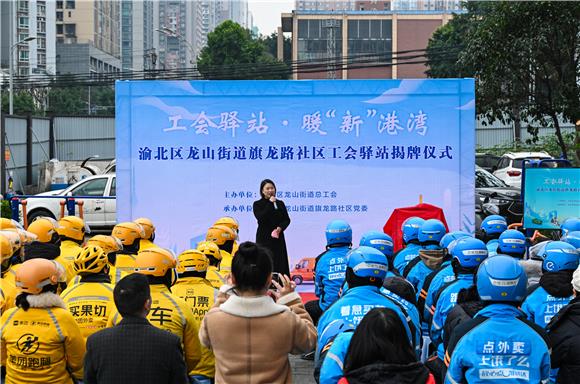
(267, 13)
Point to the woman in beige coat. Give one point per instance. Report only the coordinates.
(251, 329)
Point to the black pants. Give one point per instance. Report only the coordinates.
(313, 309)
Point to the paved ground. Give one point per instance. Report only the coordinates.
(302, 370)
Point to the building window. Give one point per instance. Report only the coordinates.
(22, 36)
(42, 59)
(70, 29)
(41, 10)
(41, 41)
(23, 22)
(59, 16)
(59, 4)
(23, 55)
(23, 5)
(23, 71)
(70, 4)
(41, 26)
(59, 29)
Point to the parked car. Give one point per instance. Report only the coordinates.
(493, 196)
(304, 270)
(509, 167)
(98, 212)
(486, 161)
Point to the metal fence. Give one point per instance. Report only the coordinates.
(29, 141)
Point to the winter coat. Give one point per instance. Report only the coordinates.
(564, 331)
(252, 336)
(381, 373)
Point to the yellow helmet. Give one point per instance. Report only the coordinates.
(154, 261)
(228, 222)
(219, 234)
(192, 260)
(91, 259)
(226, 264)
(128, 232)
(9, 224)
(107, 243)
(34, 274)
(7, 245)
(45, 228)
(73, 227)
(209, 248)
(147, 225)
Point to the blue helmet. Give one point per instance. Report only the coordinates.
(367, 262)
(448, 238)
(411, 228)
(494, 224)
(338, 232)
(469, 252)
(560, 256)
(501, 278)
(573, 238)
(512, 242)
(378, 240)
(571, 224)
(328, 334)
(432, 231)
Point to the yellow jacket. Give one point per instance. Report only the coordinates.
(146, 244)
(200, 295)
(90, 304)
(68, 251)
(42, 344)
(226, 256)
(214, 276)
(170, 313)
(125, 263)
(8, 291)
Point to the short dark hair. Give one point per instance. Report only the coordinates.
(251, 267)
(379, 338)
(264, 182)
(401, 288)
(131, 293)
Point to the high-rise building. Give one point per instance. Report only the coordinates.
(137, 28)
(426, 5)
(88, 36)
(24, 19)
(372, 5)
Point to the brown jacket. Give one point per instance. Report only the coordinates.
(252, 336)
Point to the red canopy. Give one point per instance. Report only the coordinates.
(393, 225)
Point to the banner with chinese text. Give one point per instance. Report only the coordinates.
(189, 152)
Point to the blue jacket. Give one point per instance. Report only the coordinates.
(443, 276)
(333, 364)
(540, 306)
(405, 255)
(445, 303)
(329, 275)
(492, 246)
(355, 303)
(498, 343)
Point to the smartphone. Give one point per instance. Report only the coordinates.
(277, 277)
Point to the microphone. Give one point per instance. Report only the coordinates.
(275, 205)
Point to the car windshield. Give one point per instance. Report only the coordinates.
(484, 179)
(518, 162)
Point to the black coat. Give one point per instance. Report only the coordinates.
(381, 373)
(134, 352)
(564, 331)
(269, 218)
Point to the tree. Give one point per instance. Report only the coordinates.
(233, 53)
(23, 103)
(73, 100)
(271, 45)
(525, 57)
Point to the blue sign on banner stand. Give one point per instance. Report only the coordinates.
(551, 195)
(189, 152)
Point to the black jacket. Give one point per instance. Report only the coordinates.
(134, 352)
(564, 331)
(381, 373)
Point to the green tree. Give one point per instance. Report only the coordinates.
(233, 53)
(525, 57)
(73, 100)
(271, 45)
(23, 103)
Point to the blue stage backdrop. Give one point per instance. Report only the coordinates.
(189, 152)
